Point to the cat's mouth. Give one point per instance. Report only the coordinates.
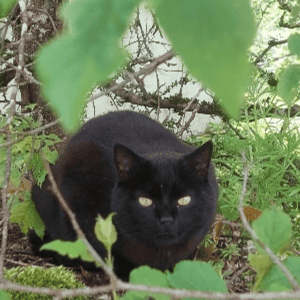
(164, 238)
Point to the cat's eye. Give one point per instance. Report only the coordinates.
(145, 201)
(184, 200)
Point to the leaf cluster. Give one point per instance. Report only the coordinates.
(26, 152)
(274, 229)
(27, 155)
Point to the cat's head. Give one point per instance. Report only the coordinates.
(164, 198)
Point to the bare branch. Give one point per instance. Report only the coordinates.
(4, 203)
(272, 43)
(23, 71)
(143, 71)
(187, 124)
(176, 293)
(47, 14)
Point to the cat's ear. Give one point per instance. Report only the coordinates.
(199, 160)
(126, 161)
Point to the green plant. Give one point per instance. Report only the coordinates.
(229, 251)
(273, 227)
(213, 42)
(56, 277)
(274, 168)
(26, 151)
(26, 156)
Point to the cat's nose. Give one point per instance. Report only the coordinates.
(167, 220)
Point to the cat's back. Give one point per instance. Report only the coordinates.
(133, 130)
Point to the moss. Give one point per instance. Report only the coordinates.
(56, 277)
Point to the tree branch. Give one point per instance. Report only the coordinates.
(143, 71)
(272, 43)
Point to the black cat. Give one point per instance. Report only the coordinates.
(163, 191)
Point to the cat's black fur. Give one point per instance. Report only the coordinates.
(111, 162)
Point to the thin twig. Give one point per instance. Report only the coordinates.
(27, 133)
(176, 293)
(192, 117)
(23, 71)
(271, 44)
(48, 15)
(4, 203)
(143, 71)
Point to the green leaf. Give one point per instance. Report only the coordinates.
(105, 231)
(25, 213)
(294, 44)
(261, 264)
(196, 275)
(213, 40)
(87, 54)
(49, 155)
(275, 280)
(4, 295)
(152, 277)
(39, 171)
(295, 13)
(288, 85)
(274, 228)
(23, 146)
(73, 250)
(50, 139)
(15, 177)
(6, 6)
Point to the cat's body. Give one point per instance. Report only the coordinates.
(163, 191)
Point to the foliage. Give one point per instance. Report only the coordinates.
(4, 295)
(215, 40)
(148, 276)
(201, 276)
(186, 275)
(228, 252)
(26, 215)
(105, 232)
(225, 52)
(6, 6)
(274, 279)
(56, 277)
(288, 86)
(274, 229)
(276, 238)
(214, 49)
(26, 155)
(89, 42)
(272, 225)
(75, 249)
(274, 166)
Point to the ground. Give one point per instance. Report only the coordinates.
(19, 254)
